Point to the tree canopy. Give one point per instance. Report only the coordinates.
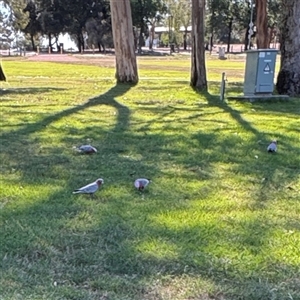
(6, 29)
(89, 21)
(226, 21)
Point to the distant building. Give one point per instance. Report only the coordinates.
(159, 30)
(166, 29)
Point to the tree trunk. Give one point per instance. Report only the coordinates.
(56, 42)
(126, 65)
(103, 47)
(212, 26)
(229, 34)
(198, 70)
(49, 41)
(211, 42)
(151, 36)
(185, 39)
(141, 37)
(141, 42)
(80, 41)
(246, 40)
(288, 81)
(262, 38)
(32, 42)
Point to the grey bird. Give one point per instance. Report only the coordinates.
(141, 183)
(87, 149)
(272, 146)
(90, 188)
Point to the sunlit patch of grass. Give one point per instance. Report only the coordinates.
(220, 219)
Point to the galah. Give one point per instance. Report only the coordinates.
(87, 149)
(141, 183)
(272, 147)
(90, 188)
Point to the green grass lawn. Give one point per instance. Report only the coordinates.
(221, 219)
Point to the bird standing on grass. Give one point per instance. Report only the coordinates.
(90, 188)
(141, 183)
(87, 149)
(273, 146)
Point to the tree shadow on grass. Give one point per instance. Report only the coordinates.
(272, 175)
(28, 234)
(234, 88)
(230, 87)
(268, 105)
(23, 91)
(104, 99)
(128, 245)
(136, 248)
(48, 165)
(31, 155)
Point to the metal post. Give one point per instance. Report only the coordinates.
(222, 89)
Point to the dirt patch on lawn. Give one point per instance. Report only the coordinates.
(101, 60)
(108, 60)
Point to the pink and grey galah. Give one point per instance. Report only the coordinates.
(141, 183)
(272, 146)
(87, 149)
(90, 188)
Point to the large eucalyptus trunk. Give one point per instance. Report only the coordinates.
(288, 81)
(262, 36)
(198, 70)
(126, 65)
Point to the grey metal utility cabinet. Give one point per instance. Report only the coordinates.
(259, 72)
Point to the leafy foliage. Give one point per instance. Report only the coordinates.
(144, 13)
(80, 17)
(6, 29)
(222, 13)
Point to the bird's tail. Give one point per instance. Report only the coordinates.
(77, 192)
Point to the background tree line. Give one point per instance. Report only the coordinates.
(88, 22)
(216, 19)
